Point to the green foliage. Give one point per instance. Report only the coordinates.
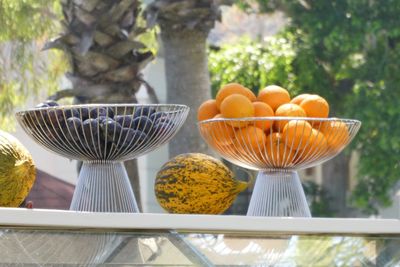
(349, 52)
(25, 20)
(318, 200)
(357, 45)
(24, 70)
(253, 64)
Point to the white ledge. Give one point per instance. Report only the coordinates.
(15, 217)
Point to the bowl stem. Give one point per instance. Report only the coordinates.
(103, 186)
(278, 194)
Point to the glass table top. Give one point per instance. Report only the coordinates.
(49, 247)
(63, 238)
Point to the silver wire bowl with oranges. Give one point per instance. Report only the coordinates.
(277, 140)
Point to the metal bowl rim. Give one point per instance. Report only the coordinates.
(277, 118)
(21, 112)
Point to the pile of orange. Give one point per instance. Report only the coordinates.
(278, 142)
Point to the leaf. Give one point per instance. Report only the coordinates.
(85, 42)
(103, 39)
(123, 74)
(87, 5)
(120, 49)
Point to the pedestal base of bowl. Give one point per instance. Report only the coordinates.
(278, 194)
(103, 186)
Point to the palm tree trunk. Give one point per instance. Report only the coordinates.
(106, 59)
(188, 82)
(184, 29)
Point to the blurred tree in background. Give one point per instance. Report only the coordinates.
(23, 73)
(99, 42)
(254, 64)
(184, 28)
(106, 57)
(348, 52)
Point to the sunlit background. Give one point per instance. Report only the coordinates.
(347, 51)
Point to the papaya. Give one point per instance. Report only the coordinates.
(195, 183)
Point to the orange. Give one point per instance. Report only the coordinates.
(233, 88)
(251, 139)
(247, 155)
(207, 110)
(296, 134)
(315, 106)
(237, 106)
(298, 99)
(316, 124)
(263, 110)
(230, 151)
(316, 146)
(287, 110)
(336, 134)
(274, 96)
(221, 132)
(277, 154)
(274, 138)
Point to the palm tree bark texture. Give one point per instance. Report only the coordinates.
(185, 26)
(106, 60)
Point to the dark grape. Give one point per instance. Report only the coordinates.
(131, 138)
(71, 113)
(42, 105)
(144, 111)
(90, 129)
(73, 131)
(51, 103)
(139, 138)
(54, 116)
(93, 145)
(163, 119)
(97, 112)
(93, 113)
(111, 128)
(101, 118)
(39, 117)
(143, 124)
(49, 134)
(110, 112)
(158, 115)
(124, 120)
(74, 124)
(162, 128)
(126, 136)
(108, 146)
(84, 113)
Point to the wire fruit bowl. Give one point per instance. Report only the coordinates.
(277, 147)
(103, 136)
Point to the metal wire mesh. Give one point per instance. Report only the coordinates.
(277, 146)
(115, 132)
(103, 187)
(285, 143)
(103, 136)
(278, 194)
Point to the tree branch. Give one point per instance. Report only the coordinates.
(62, 94)
(150, 91)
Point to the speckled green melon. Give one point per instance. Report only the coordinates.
(17, 171)
(196, 183)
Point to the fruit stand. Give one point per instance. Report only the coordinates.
(276, 138)
(68, 238)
